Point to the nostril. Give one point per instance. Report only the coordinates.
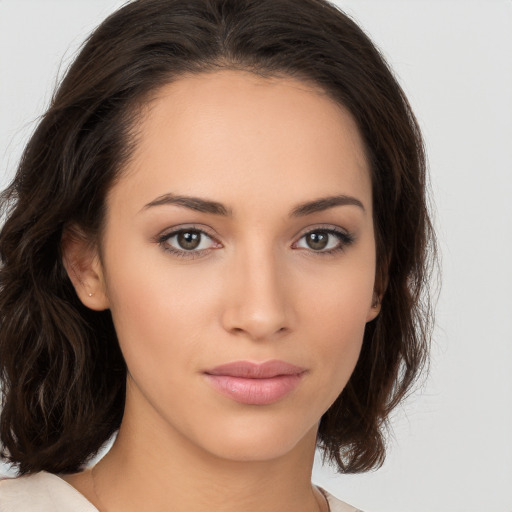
(262, 314)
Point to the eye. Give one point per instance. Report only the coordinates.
(324, 241)
(187, 242)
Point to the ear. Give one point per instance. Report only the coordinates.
(374, 311)
(379, 288)
(82, 263)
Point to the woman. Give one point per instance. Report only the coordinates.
(215, 245)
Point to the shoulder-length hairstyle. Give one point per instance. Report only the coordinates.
(62, 373)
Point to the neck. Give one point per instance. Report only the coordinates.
(166, 471)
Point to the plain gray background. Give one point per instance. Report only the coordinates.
(451, 448)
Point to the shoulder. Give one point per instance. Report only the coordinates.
(336, 505)
(43, 492)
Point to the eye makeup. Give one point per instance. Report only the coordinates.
(194, 242)
(188, 242)
(325, 240)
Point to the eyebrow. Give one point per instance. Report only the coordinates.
(192, 203)
(215, 208)
(324, 203)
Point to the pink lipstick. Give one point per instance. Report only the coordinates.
(255, 383)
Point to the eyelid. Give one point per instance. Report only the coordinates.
(167, 232)
(162, 239)
(346, 238)
(323, 227)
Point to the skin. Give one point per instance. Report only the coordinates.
(255, 291)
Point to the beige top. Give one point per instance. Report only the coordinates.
(45, 492)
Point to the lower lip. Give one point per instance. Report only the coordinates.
(255, 391)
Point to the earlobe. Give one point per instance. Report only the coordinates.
(379, 288)
(375, 307)
(83, 266)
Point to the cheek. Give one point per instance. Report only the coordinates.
(157, 315)
(339, 328)
(340, 297)
(336, 316)
(159, 312)
(168, 314)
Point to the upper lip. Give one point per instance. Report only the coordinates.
(250, 370)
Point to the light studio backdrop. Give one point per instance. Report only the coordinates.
(451, 448)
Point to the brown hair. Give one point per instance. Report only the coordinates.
(62, 372)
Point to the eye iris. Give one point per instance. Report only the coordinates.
(317, 240)
(189, 240)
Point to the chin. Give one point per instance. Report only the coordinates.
(258, 441)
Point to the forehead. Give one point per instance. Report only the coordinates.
(234, 134)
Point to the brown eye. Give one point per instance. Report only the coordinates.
(189, 240)
(317, 240)
(324, 241)
(192, 241)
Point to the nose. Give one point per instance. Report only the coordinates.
(257, 297)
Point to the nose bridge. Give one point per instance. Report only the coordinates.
(258, 304)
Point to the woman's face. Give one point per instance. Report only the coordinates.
(238, 260)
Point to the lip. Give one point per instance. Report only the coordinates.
(255, 383)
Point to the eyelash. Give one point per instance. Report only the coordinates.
(345, 239)
(163, 241)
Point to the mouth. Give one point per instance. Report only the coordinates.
(255, 383)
